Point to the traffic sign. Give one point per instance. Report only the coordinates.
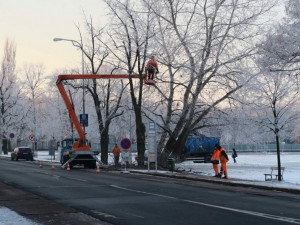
(125, 143)
(151, 125)
(84, 119)
(11, 135)
(32, 137)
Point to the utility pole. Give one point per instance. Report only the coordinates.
(83, 91)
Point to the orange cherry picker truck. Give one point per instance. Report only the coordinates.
(77, 151)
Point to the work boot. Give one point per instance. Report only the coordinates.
(224, 177)
(219, 175)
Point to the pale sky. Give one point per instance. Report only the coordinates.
(33, 24)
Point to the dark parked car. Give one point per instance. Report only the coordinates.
(22, 153)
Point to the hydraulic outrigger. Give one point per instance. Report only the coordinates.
(81, 151)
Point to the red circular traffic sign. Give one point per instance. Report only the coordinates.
(31, 137)
(125, 143)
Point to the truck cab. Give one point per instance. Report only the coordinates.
(67, 153)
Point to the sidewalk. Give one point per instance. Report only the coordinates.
(19, 207)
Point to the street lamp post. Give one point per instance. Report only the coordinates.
(77, 44)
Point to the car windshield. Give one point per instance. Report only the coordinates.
(24, 149)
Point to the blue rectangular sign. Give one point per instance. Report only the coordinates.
(151, 125)
(84, 120)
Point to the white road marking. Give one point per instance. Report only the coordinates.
(269, 216)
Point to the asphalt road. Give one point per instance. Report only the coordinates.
(140, 199)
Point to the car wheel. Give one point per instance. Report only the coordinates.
(31, 159)
(17, 158)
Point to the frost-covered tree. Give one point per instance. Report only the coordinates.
(274, 97)
(9, 93)
(33, 78)
(130, 31)
(207, 48)
(281, 50)
(106, 94)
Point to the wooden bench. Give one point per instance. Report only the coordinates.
(274, 174)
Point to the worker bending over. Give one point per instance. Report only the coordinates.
(223, 159)
(215, 160)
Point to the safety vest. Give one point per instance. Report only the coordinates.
(215, 155)
(152, 62)
(116, 151)
(223, 156)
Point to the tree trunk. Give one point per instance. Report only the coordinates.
(169, 148)
(140, 131)
(180, 142)
(278, 156)
(4, 146)
(104, 146)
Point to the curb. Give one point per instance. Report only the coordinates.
(222, 181)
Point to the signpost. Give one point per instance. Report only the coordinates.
(51, 148)
(32, 137)
(152, 149)
(126, 153)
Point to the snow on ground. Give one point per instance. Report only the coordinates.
(251, 167)
(9, 217)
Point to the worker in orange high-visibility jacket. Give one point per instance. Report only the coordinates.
(215, 160)
(116, 151)
(151, 68)
(223, 159)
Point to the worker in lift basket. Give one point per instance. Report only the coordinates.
(215, 160)
(116, 151)
(151, 68)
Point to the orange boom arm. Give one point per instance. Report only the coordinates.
(81, 145)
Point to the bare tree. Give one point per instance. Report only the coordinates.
(9, 92)
(129, 34)
(275, 97)
(106, 94)
(34, 78)
(280, 50)
(211, 47)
